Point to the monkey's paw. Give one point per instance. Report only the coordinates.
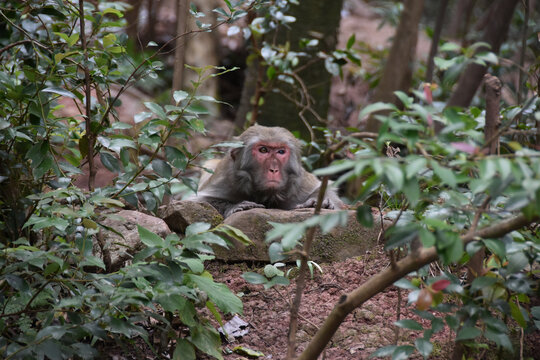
(241, 206)
(312, 202)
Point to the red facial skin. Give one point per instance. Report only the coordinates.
(272, 158)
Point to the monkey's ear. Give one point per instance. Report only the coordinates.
(235, 152)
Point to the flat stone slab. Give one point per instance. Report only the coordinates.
(340, 243)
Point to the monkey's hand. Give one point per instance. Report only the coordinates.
(241, 206)
(312, 202)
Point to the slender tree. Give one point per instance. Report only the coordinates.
(398, 70)
(494, 35)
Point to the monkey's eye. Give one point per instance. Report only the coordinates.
(281, 151)
(263, 149)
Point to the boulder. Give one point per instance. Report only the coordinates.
(340, 243)
(114, 249)
(178, 214)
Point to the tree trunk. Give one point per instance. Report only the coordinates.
(435, 40)
(180, 49)
(494, 35)
(456, 28)
(201, 50)
(398, 70)
(132, 18)
(312, 16)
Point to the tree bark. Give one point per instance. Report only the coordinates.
(435, 39)
(494, 35)
(180, 48)
(281, 107)
(493, 98)
(398, 70)
(132, 18)
(456, 28)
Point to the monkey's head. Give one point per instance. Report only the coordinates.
(269, 160)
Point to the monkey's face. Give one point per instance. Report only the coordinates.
(270, 164)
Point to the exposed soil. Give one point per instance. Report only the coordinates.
(365, 330)
(368, 328)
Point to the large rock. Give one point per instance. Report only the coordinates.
(340, 243)
(114, 249)
(180, 213)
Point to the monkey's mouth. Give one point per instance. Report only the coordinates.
(273, 183)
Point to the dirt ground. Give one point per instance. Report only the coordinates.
(365, 330)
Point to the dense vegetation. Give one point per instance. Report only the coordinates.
(453, 191)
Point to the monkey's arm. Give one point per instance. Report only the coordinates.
(331, 199)
(227, 208)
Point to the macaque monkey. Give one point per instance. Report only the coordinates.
(266, 172)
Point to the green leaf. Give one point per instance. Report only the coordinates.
(467, 333)
(254, 278)
(411, 189)
(482, 282)
(242, 350)
(449, 46)
(364, 216)
(59, 91)
(212, 308)
(277, 280)
(328, 222)
(94, 261)
(409, 324)
(195, 265)
(275, 252)
(56, 332)
(446, 175)
(137, 118)
(449, 246)
(184, 350)
(271, 270)
(197, 228)
(427, 238)
(149, 238)
(171, 302)
(113, 11)
(162, 168)
(351, 41)
(290, 234)
(401, 235)
(220, 294)
(156, 109)
(497, 247)
(207, 340)
(517, 314)
(402, 352)
(335, 167)
(110, 162)
(176, 157)
(423, 346)
(180, 95)
(405, 284)
(271, 72)
(376, 107)
(109, 40)
(499, 338)
(393, 175)
(234, 233)
(517, 262)
(384, 351)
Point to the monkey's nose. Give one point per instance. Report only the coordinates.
(274, 171)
